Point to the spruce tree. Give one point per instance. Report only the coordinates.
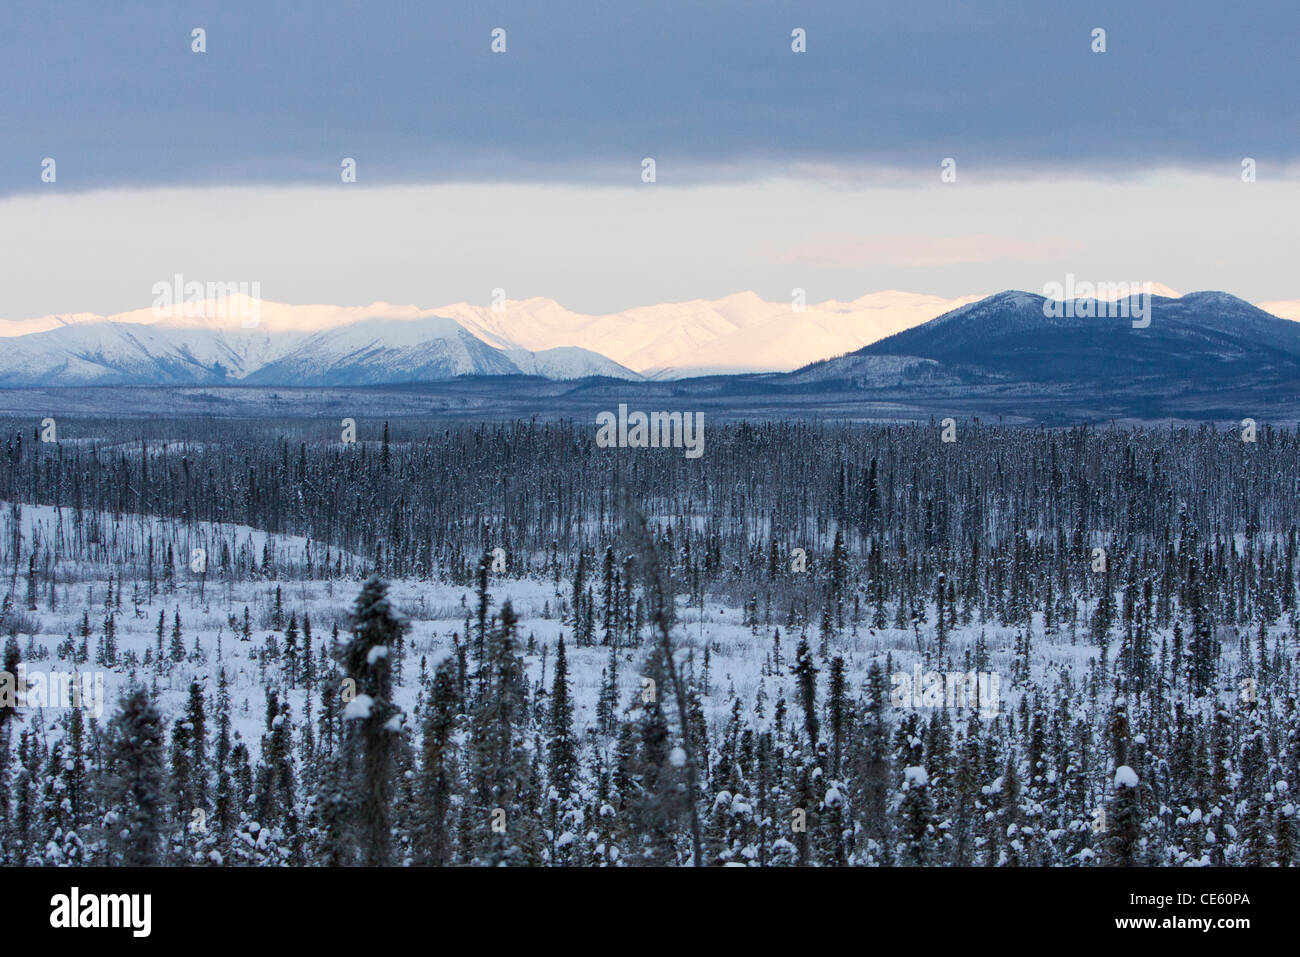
(136, 769)
(439, 778)
(374, 717)
(178, 643)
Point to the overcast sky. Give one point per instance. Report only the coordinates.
(523, 169)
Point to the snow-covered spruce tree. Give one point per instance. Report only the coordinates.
(577, 611)
(612, 813)
(308, 665)
(805, 671)
(276, 808)
(609, 599)
(916, 814)
(177, 649)
(291, 649)
(335, 845)
(76, 783)
(196, 717)
(1004, 847)
(181, 797)
(8, 685)
(373, 721)
(27, 801)
(63, 845)
(439, 769)
(136, 781)
(1202, 651)
(1124, 820)
(224, 803)
(967, 802)
(872, 769)
(939, 755)
(563, 766)
(482, 604)
(502, 828)
(608, 701)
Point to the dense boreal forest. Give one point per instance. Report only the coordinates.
(1134, 590)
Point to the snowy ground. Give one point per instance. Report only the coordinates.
(741, 657)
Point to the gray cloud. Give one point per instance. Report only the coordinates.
(587, 88)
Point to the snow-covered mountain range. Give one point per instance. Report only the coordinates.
(218, 342)
(255, 342)
(739, 333)
(333, 347)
